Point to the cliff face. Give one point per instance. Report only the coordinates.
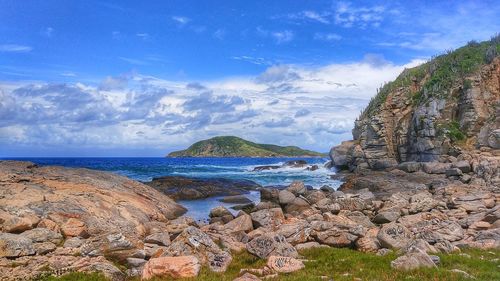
(442, 108)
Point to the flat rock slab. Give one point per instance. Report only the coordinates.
(184, 188)
(175, 267)
(284, 264)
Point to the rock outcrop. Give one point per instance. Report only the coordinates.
(55, 219)
(444, 109)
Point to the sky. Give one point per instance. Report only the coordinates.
(143, 78)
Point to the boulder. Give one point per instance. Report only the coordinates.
(38, 235)
(160, 238)
(422, 202)
(15, 245)
(295, 231)
(297, 188)
(15, 224)
(43, 248)
(73, 242)
(174, 267)
(284, 264)
(436, 167)
(386, 217)
(270, 244)
(410, 167)
(453, 172)
(297, 205)
(236, 199)
(394, 235)
(269, 195)
(219, 211)
(413, 260)
(241, 223)
(369, 242)
(193, 241)
(286, 197)
(269, 218)
(463, 165)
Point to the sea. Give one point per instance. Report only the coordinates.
(145, 169)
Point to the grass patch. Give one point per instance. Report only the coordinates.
(75, 276)
(346, 264)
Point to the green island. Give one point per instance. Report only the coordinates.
(231, 146)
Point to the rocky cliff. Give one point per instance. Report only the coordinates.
(447, 107)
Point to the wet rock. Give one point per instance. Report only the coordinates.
(284, 264)
(266, 168)
(174, 267)
(184, 188)
(295, 163)
(219, 211)
(236, 199)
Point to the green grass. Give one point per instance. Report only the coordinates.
(346, 264)
(234, 146)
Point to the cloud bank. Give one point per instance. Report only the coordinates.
(313, 107)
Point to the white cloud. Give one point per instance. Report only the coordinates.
(13, 48)
(314, 107)
(283, 36)
(220, 34)
(327, 36)
(181, 20)
(48, 32)
(347, 15)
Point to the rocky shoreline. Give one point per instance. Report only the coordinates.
(58, 220)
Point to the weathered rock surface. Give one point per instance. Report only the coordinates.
(284, 264)
(174, 267)
(183, 188)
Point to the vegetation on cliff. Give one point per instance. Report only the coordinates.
(230, 146)
(439, 75)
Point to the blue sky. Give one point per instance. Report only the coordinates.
(130, 78)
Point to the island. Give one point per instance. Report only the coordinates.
(231, 146)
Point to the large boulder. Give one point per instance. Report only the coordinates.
(270, 244)
(297, 188)
(240, 223)
(269, 218)
(340, 154)
(174, 267)
(81, 202)
(413, 260)
(394, 235)
(15, 245)
(193, 241)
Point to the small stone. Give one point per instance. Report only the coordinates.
(284, 264)
(247, 277)
(175, 267)
(453, 172)
(73, 242)
(386, 217)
